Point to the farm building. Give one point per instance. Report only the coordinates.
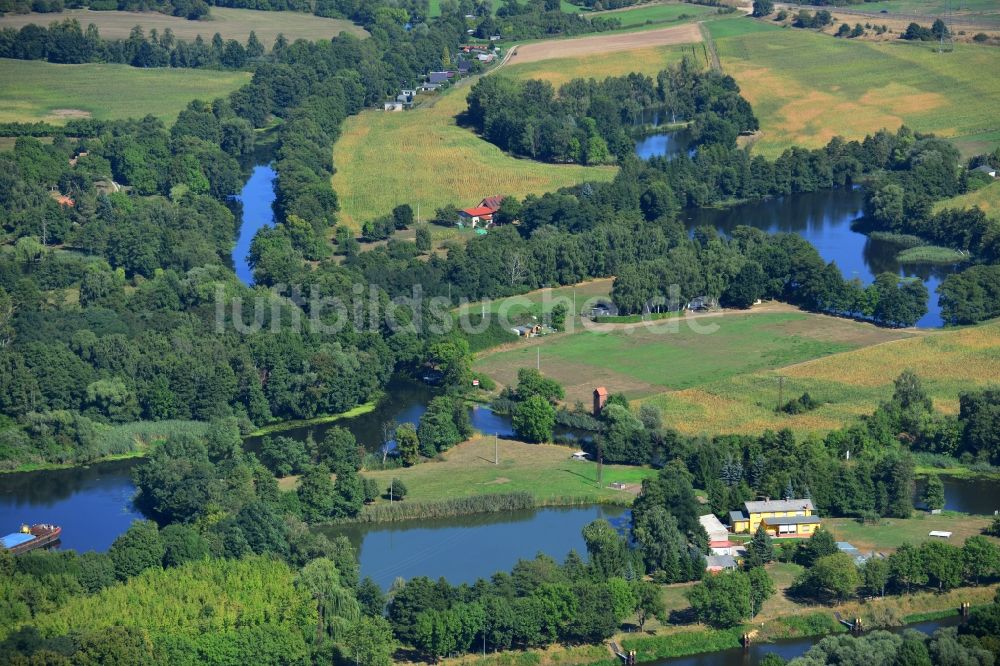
(701, 303)
(714, 528)
(987, 169)
(480, 216)
(429, 87)
(440, 77)
(493, 202)
(777, 514)
(392, 106)
(603, 310)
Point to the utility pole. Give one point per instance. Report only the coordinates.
(538, 358)
(781, 391)
(496, 448)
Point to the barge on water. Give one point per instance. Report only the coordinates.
(29, 538)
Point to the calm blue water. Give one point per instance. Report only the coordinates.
(92, 504)
(824, 219)
(257, 196)
(465, 548)
(669, 144)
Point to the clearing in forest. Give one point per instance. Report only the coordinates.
(847, 385)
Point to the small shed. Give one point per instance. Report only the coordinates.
(941, 534)
(717, 563)
(392, 106)
(580, 455)
(987, 169)
(600, 399)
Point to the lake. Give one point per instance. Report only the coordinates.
(824, 219)
(465, 548)
(981, 496)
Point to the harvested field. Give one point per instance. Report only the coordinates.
(649, 61)
(602, 44)
(230, 23)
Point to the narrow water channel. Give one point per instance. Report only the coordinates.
(256, 197)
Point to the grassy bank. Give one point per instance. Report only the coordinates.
(807, 87)
(32, 90)
(301, 423)
(543, 471)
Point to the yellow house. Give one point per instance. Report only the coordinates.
(754, 513)
(791, 526)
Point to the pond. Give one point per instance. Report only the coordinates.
(665, 144)
(465, 548)
(980, 495)
(824, 219)
(257, 196)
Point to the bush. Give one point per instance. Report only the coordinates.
(980, 37)
(396, 490)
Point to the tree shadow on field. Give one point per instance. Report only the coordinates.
(586, 478)
(683, 616)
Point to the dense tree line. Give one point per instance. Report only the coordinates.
(538, 603)
(66, 42)
(589, 121)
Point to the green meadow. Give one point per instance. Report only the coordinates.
(808, 87)
(32, 90)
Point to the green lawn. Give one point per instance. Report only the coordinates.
(891, 533)
(808, 87)
(32, 90)
(544, 470)
(643, 360)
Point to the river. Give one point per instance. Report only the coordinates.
(823, 218)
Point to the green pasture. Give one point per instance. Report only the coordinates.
(33, 90)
